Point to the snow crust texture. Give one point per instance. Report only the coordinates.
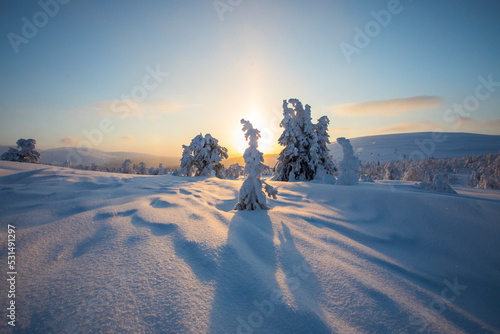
(103, 252)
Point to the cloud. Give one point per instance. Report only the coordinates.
(491, 126)
(128, 138)
(134, 108)
(70, 141)
(388, 107)
(406, 127)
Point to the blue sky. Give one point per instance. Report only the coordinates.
(91, 56)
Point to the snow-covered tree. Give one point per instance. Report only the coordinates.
(25, 152)
(349, 164)
(234, 171)
(161, 170)
(142, 168)
(251, 196)
(10, 155)
(203, 156)
(323, 153)
(305, 152)
(127, 167)
(391, 172)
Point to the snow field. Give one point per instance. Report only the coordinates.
(129, 253)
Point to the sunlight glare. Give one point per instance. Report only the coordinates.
(259, 122)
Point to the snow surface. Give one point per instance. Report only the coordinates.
(104, 252)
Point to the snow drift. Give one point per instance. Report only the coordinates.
(103, 252)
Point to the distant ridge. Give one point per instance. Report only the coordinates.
(419, 145)
(370, 148)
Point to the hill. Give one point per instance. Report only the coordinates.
(369, 149)
(105, 159)
(419, 146)
(106, 252)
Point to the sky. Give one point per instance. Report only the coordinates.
(148, 76)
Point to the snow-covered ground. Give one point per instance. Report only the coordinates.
(104, 252)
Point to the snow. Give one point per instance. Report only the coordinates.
(105, 252)
(349, 164)
(438, 185)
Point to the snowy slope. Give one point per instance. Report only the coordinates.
(417, 145)
(102, 252)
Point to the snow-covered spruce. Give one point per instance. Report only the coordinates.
(234, 171)
(142, 168)
(391, 172)
(349, 164)
(438, 185)
(25, 152)
(203, 156)
(127, 167)
(305, 152)
(251, 196)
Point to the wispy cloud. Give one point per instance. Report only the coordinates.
(406, 127)
(388, 107)
(69, 141)
(491, 126)
(134, 108)
(128, 138)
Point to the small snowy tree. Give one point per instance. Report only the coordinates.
(349, 164)
(251, 196)
(10, 155)
(391, 172)
(234, 171)
(202, 156)
(142, 168)
(25, 152)
(438, 185)
(127, 167)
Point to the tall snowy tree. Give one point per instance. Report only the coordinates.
(305, 152)
(203, 156)
(349, 164)
(322, 152)
(251, 196)
(25, 152)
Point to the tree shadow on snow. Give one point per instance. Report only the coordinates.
(248, 298)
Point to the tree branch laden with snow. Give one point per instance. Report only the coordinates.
(251, 196)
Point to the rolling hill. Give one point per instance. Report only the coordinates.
(371, 148)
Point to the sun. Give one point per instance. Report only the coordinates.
(259, 122)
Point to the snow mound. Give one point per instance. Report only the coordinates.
(104, 252)
(438, 185)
